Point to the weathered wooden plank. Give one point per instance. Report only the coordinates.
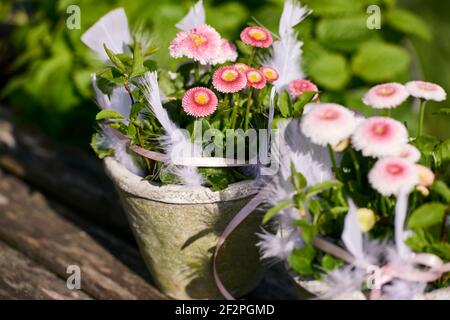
(72, 176)
(21, 278)
(29, 224)
(78, 180)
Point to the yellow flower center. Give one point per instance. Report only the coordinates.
(201, 98)
(198, 39)
(380, 129)
(241, 67)
(254, 77)
(229, 75)
(386, 91)
(257, 34)
(270, 74)
(426, 86)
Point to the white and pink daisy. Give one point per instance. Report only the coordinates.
(270, 73)
(380, 137)
(426, 176)
(328, 123)
(226, 53)
(242, 67)
(390, 176)
(410, 153)
(228, 79)
(297, 87)
(256, 36)
(426, 90)
(201, 44)
(386, 96)
(255, 79)
(199, 102)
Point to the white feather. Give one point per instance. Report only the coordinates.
(277, 246)
(195, 17)
(287, 52)
(108, 140)
(352, 235)
(343, 281)
(175, 143)
(112, 30)
(119, 102)
(401, 209)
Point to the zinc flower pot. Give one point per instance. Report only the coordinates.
(177, 229)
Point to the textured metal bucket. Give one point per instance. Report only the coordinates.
(177, 229)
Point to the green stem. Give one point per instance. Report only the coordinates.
(252, 56)
(389, 113)
(333, 160)
(234, 112)
(356, 165)
(197, 73)
(247, 111)
(421, 117)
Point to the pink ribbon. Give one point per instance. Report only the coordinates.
(389, 272)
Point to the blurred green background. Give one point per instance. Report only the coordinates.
(45, 68)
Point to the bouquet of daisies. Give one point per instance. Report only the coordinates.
(160, 123)
(359, 204)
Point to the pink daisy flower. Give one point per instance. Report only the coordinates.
(410, 153)
(270, 73)
(226, 53)
(380, 137)
(242, 67)
(386, 96)
(426, 176)
(255, 79)
(389, 176)
(199, 102)
(256, 37)
(201, 44)
(426, 90)
(297, 87)
(328, 123)
(228, 79)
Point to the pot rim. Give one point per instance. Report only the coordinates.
(174, 194)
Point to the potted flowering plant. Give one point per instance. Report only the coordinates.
(168, 140)
(360, 206)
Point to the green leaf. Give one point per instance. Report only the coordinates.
(284, 104)
(138, 61)
(297, 178)
(150, 51)
(305, 98)
(376, 62)
(101, 150)
(321, 187)
(344, 33)
(443, 112)
(301, 260)
(108, 114)
(274, 210)
(115, 60)
(329, 262)
(309, 231)
(135, 109)
(131, 130)
(329, 70)
(409, 23)
(442, 189)
(426, 144)
(442, 153)
(442, 249)
(427, 215)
